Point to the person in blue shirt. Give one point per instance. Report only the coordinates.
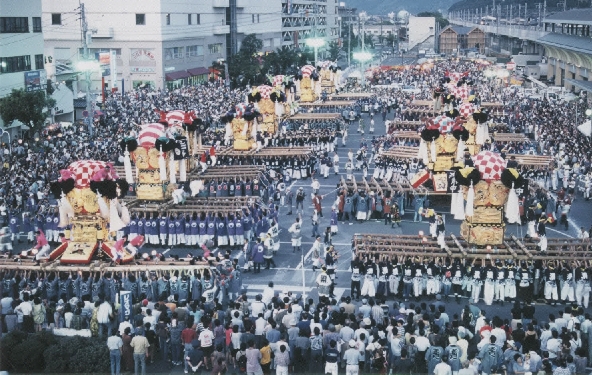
(40, 223)
(230, 227)
(211, 227)
(13, 222)
(203, 229)
(194, 239)
(187, 230)
(247, 225)
(180, 229)
(172, 234)
(162, 229)
(147, 225)
(49, 227)
(239, 231)
(141, 222)
(28, 227)
(221, 232)
(154, 229)
(133, 227)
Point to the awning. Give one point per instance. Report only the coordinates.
(173, 76)
(581, 84)
(198, 71)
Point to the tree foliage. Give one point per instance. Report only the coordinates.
(333, 51)
(245, 66)
(27, 107)
(439, 18)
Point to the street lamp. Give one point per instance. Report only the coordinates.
(363, 57)
(315, 43)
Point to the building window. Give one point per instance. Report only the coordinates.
(15, 64)
(168, 19)
(174, 53)
(140, 19)
(189, 19)
(253, 18)
(193, 51)
(39, 62)
(14, 25)
(198, 19)
(36, 24)
(94, 52)
(257, 18)
(56, 18)
(215, 48)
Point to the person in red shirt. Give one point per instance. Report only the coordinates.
(213, 155)
(203, 161)
(187, 336)
(42, 246)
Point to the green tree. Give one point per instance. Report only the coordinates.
(245, 66)
(439, 18)
(368, 41)
(29, 107)
(333, 51)
(390, 40)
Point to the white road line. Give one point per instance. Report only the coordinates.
(301, 263)
(310, 243)
(563, 234)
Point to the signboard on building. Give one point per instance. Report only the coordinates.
(105, 62)
(35, 80)
(142, 60)
(125, 311)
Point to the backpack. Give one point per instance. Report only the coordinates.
(242, 363)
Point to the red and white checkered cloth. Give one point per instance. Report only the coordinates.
(240, 110)
(489, 164)
(445, 124)
(83, 171)
(265, 91)
(455, 77)
(462, 92)
(307, 70)
(175, 116)
(150, 133)
(466, 109)
(278, 80)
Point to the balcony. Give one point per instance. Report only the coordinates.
(221, 29)
(220, 3)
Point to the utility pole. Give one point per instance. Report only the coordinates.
(544, 12)
(349, 21)
(85, 39)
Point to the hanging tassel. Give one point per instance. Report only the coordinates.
(172, 169)
(433, 150)
(63, 216)
(162, 165)
(459, 213)
(125, 216)
(115, 222)
(470, 199)
(512, 207)
(183, 170)
(194, 142)
(127, 165)
(103, 208)
(279, 108)
(65, 203)
(196, 186)
(423, 152)
(453, 203)
(460, 150)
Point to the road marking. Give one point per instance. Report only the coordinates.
(563, 234)
(310, 243)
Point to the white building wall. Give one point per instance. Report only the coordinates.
(143, 50)
(20, 44)
(420, 29)
(262, 18)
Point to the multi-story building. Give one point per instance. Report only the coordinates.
(157, 42)
(303, 19)
(21, 47)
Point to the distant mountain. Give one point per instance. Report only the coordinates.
(383, 7)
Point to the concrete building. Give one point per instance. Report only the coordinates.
(157, 42)
(302, 19)
(563, 38)
(422, 31)
(458, 38)
(21, 47)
